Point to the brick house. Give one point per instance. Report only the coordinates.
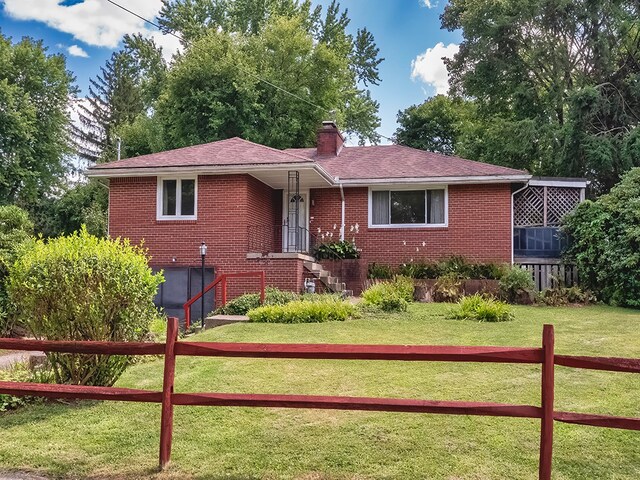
(259, 208)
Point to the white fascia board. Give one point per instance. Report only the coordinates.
(438, 180)
(559, 183)
(204, 170)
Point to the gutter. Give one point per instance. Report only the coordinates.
(342, 211)
(512, 225)
(439, 180)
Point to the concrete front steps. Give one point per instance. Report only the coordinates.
(332, 283)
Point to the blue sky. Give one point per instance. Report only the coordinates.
(407, 32)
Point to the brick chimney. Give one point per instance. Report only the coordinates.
(329, 139)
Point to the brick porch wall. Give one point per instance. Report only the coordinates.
(479, 226)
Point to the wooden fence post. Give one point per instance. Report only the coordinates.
(546, 430)
(166, 425)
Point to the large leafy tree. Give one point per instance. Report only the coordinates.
(34, 142)
(437, 125)
(556, 83)
(265, 47)
(606, 242)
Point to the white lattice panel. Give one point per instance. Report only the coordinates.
(560, 201)
(528, 207)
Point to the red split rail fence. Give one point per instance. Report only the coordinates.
(222, 280)
(416, 353)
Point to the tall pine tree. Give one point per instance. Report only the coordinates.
(128, 84)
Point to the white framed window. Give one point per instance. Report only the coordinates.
(409, 207)
(177, 198)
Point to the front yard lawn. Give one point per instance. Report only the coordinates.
(120, 440)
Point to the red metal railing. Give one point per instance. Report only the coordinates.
(222, 279)
(417, 353)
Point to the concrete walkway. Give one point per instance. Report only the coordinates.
(20, 476)
(8, 360)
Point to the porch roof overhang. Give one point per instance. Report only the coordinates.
(275, 175)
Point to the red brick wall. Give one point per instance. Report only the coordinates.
(479, 226)
(227, 206)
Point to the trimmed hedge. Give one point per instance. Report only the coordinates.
(304, 311)
(82, 287)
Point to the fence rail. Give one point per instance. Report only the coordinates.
(544, 355)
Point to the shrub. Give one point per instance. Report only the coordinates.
(336, 250)
(448, 288)
(390, 296)
(21, 373)
(562, 295)
(455, 266)
(15, 232)
(482, 309)
(517, 286)
(419, 270)
(242, 304)
(605, 242)
(84, 288)
(304, 311)
(381, 272)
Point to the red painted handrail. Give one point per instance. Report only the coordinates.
(222, 279)
(173, 348)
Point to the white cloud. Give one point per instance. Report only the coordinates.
(76, 51)
(430, 68)
(94, 22)
(428, 3)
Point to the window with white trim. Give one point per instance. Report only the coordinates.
(177, 198)
(426, 207)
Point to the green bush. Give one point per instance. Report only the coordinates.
(390, 296)
(304, 311)
(84, 288)
(455, 266)
(448, 288)
(482, 309)
(242, 304)
(517, 286)
(605, 242)
(379, 272)
(562, 295)
(336, 250)
(15, 232)
(21, 373)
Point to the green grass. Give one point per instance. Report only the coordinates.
(119, 440)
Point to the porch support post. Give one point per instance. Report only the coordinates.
(342, 212)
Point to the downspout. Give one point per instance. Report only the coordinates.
(342, 212)
(512, 225)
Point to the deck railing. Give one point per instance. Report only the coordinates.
(222, 280)
(542, 355)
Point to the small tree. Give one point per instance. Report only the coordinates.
(15, 230)
(605, 242)
(82, 287)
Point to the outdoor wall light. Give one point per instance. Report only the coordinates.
(203, 254)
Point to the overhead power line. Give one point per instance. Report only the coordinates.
(167, 31)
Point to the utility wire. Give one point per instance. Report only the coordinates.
(167, 31)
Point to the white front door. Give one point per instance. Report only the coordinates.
(295, 231)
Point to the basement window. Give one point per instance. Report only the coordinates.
(177, 198)
(426, 207)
